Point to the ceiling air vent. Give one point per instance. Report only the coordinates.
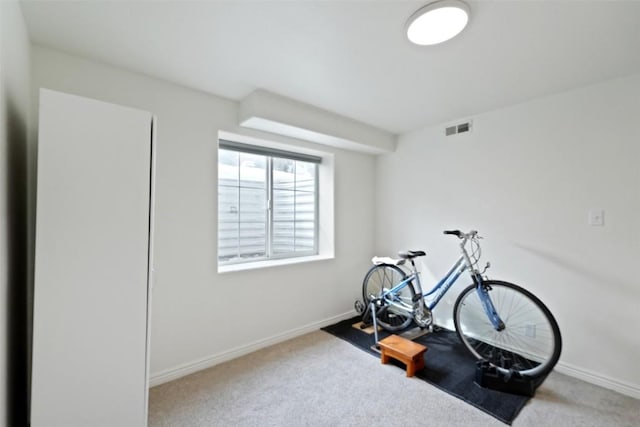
(459, 128)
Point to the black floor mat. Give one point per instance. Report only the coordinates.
(448, 366)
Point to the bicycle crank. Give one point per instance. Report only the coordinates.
(422, 316)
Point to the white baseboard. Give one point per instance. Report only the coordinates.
(162, 377)
(621, 387)
(207, 362)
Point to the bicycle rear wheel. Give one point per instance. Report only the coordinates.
(530, 343)
(384, 277)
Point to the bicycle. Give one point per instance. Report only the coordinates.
(497, 321)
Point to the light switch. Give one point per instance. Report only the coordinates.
(596, 217)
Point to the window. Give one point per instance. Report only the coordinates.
(267, 203)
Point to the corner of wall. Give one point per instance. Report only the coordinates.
(14, 223)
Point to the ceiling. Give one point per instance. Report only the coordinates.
(352, 57)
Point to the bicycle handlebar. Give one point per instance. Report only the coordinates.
(473, 257)
(460, 234)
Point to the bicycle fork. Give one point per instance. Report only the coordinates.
(483, 293)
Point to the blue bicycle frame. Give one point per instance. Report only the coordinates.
(441, 288)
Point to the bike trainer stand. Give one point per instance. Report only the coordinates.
(411, 334)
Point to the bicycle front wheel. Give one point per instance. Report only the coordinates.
(382, 278)
(530, 343)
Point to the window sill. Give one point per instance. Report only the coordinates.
(271, 263)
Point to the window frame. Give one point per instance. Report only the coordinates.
(270, 154)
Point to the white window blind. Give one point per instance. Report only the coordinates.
(267, 203)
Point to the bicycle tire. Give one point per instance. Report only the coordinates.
(385, 276)
(530, 344)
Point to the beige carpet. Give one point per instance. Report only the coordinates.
(320, 380)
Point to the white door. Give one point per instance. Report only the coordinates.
(92, 263)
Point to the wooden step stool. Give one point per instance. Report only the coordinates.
(407, 352)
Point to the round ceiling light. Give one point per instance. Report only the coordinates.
(437, 22)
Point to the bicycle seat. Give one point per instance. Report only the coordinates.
(377, 260)
(410, 254)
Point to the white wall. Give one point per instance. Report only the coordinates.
(199, 315)
(526, 178)
(14, 114)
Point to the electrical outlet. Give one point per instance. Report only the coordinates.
(530, 330)
(596, 217)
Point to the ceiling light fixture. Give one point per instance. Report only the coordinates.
(437, 22)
